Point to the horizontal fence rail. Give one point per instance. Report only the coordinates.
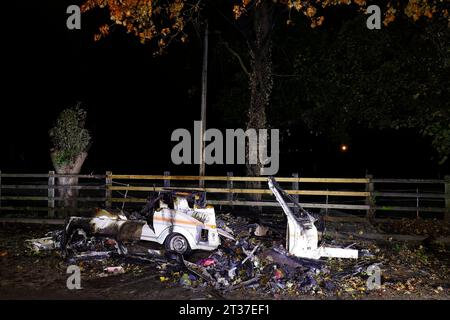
(40, 193)
(232, 178)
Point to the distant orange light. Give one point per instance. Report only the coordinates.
(344, 147)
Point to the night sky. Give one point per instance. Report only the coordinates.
(135, 101)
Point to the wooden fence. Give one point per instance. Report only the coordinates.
(40, 194)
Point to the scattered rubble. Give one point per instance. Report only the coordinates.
(261, 231)
(406, 270)
(47, 243)
(114, 270)
(243, 261)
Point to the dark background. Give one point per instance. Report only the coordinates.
(135, 101)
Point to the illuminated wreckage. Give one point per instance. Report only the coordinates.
(182, 222)
(302, 239)
(178, 219)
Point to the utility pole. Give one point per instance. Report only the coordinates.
(203, 105)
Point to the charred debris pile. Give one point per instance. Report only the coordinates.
(248, 256)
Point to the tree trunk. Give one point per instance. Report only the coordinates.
(261, 79)
(69, 196)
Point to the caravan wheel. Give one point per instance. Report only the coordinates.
(177, 243)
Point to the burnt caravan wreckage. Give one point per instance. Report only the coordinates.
(180, 220)
(302, 239)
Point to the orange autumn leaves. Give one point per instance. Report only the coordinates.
(165, 20)
(414, 9)
(419, 8)
(308, 8)
(147, 19)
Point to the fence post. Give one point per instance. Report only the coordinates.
(370, 201)
(51, 193)
(108, 192)
(0, 189)
(417, 203)
(295, 196)
(166, 181)
(230, 195)
(447, 198)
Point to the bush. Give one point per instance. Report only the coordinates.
(69, 137)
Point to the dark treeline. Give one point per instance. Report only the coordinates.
(384, 93)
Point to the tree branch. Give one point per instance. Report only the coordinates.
(237, 56)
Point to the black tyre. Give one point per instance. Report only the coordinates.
(176, 242)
